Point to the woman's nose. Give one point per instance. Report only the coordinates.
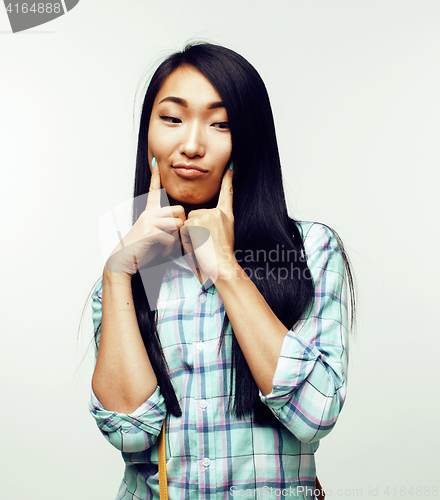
(192, 141)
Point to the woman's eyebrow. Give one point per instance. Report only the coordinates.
(214, 105)
(177, 100)
(184, 103)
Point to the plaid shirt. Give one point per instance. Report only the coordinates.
(211, 454)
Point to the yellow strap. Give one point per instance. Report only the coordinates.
(321, 492)
(163, 486)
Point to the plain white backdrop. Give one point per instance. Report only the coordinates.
(355, 90)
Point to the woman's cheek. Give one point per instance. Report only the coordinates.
(158, 142)
(224, 153)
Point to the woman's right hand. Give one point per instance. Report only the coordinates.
(155, 231)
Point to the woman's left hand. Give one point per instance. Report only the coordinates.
(214, 253)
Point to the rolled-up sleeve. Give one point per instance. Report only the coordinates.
(132, 432)
(309, 384)
(135, 432)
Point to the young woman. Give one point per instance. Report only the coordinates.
(218, 316)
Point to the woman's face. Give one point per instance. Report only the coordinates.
(189, 136)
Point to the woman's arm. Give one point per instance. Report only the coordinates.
(302, 372)
(129, 432)
(123, 378)
(258, 330)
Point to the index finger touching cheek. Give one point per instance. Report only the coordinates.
(153, 198)
(226, 192)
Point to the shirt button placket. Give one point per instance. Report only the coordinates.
(203, 403)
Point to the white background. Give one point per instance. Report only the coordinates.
(355, 89)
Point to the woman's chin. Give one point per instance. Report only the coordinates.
(192, 201)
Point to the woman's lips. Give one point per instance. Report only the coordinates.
(188, 171)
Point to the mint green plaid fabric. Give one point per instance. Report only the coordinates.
(211, 454)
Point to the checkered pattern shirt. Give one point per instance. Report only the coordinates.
(210, 453)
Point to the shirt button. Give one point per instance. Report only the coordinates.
(206, 462)
(203, 299)
(203, 404)
(200, 346)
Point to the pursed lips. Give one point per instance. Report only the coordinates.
(188, 166)
(188, 170)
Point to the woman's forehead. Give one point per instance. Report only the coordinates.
(189, 85)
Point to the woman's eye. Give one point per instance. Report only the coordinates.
(222, 125)
(170, 119)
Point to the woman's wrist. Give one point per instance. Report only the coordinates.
(112, 278)
(230, 272)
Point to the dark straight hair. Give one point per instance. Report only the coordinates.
(261, 220)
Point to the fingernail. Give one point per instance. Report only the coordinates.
(231, 166)
(153, 162)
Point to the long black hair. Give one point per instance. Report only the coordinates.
(262, 223)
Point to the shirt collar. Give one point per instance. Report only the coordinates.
(175, 258)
